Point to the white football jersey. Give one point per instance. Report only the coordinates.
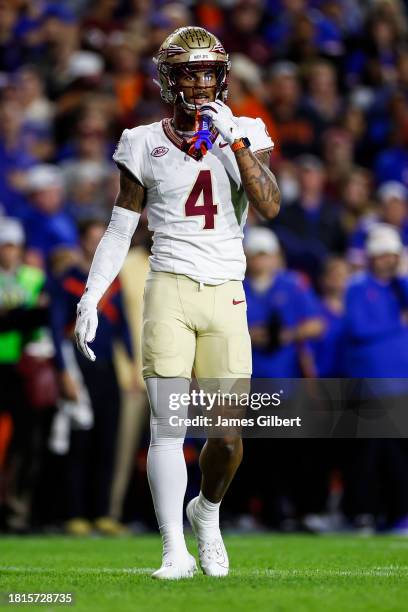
(196, 209)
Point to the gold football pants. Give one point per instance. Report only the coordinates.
(190, 326)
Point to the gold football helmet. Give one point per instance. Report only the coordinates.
(190, 48)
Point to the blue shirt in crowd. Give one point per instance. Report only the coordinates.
(376, 334)
(328, 349)
(290, 301)
(47, 232)
(112, 322)
(392, 165)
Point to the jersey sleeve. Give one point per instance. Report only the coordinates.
(255, 130)
(129, 155)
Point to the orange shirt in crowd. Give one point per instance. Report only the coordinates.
(250, 106)
(128, 91)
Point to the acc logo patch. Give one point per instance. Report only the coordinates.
(159, 151)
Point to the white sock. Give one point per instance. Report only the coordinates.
(166, 466)
(208, 513)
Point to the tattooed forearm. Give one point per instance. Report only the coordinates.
(259, 182)
(132, 194)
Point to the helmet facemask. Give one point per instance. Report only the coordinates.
(219, 89)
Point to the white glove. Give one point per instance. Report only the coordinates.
(222, 119)
(86, 324)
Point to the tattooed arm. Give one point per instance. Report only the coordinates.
(132, 194)
(259, 182)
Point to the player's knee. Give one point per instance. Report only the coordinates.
(230, 446)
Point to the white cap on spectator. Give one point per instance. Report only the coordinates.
(11, 232)
(284, 68)
(85, 64)
(91, 171)
(383, 239)
(392, 190)
(246, 70)
(260, 240)
(44, 176)
(307, 161)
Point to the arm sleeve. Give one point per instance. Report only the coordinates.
(111, 252)
(129, 154)
(255, 130)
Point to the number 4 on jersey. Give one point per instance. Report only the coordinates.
(207, 209)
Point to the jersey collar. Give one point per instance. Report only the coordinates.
(182, 143)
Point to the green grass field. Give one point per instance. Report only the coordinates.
(269, 572)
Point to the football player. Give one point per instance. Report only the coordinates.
(194, 303)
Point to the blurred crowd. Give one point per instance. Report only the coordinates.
(327, 284)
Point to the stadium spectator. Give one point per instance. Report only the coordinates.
(301, 31)
(21, 315)
(11, 54)
(392, 197)
(85, 192)
(244, 87)
(376, 334)
(355, 195)
(127, 77)
(177, 13)
(338, 155)
(101, 24)
(15, 154)
(243, 34)
(287, 173)
(90, 141)
(92, 453)
(296, 125)
(282, 311)
(384, 35)
(328, 348)
(355, 123)
(53, 40)
(37, 109)
(323, 96)
(376, 341)
(38, 112)
(310, 229)
(392, 163)
(48, 225)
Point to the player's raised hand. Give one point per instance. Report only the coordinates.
(86, 324)
(222, 119)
